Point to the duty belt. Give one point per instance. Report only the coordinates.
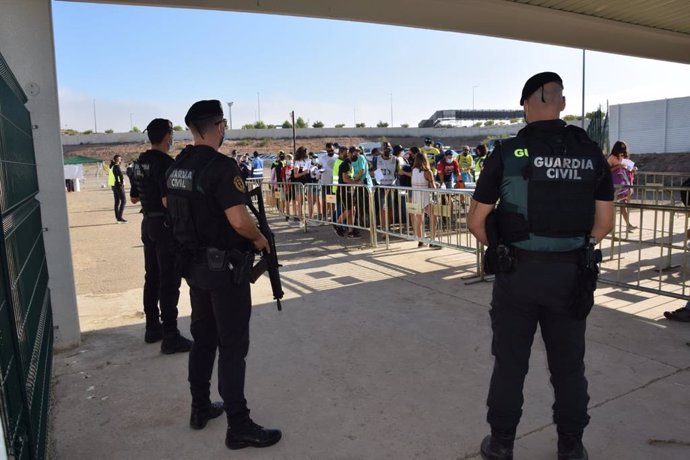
(154, 214)
(543, 256)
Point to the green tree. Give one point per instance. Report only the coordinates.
(259, 125)
(340, 125)
(360, 125)
(135, 130)
(178, 128)
(300, 123)
(286, 125)
(590, 115)
(405, 125)
(108, 131)
(571, 118)
(382, 124)
(489, 123)
(88, 131)
(317, 124)
(477, 124)
(248, 126)
(70, 132)
(270, 126)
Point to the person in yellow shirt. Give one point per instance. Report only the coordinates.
(466, 163)
(429, 150)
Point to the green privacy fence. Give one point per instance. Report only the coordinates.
(26, 338)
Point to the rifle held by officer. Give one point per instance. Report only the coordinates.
(269, 259)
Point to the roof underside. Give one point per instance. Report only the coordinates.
(642, 28)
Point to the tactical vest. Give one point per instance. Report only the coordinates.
(547, 191)
(147, 185)
(198, 221)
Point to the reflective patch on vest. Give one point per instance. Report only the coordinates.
(519, 153)
(550, 168)
(181, 179)
(141, 170)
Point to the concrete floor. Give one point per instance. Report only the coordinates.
(376, 355)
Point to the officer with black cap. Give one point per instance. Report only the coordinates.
(161, 281)
(207, 202)
(556, 203)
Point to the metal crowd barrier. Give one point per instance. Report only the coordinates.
(651, 258)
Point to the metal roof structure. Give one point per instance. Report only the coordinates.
(476, 115)
(641, 28)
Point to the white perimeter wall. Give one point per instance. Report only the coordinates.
(652, 126)
(26, 42)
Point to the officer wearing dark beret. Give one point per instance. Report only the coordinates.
(218, 237)
(161, 281)
(555, 203)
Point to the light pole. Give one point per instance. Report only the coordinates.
(258, 104)
(391, 110)
(230, 114)
(131, 125)
(582, 125)
(473, 87)
(95, 125)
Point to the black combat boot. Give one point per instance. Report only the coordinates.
(249, 434)
(201, 416)
(498, 446)
(570, 447)
(154, 330)
(174, 342)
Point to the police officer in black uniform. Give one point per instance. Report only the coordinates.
(556, 202)
(161, 282)
(207, 202)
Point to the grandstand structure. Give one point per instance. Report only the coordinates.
(469, 115)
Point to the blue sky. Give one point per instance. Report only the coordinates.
(139, 63)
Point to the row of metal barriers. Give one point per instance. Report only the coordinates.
(651, 254)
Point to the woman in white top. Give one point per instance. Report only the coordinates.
(301, 174)
(422, 177)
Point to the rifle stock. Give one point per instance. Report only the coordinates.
(269, 259)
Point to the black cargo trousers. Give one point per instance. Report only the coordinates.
(537, 292)
(161, 281)
(221, 311)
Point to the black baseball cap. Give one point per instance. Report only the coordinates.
(159, 126)
(202, 110)
(449, 153)
(427, 140)
(537, 81)
(398, 148)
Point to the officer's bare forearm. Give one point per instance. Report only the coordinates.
(476, 220)
(243, 223)
(603, 219)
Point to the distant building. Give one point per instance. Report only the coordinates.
(652, 126)
(469, 115)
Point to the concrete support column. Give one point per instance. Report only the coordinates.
(26, 42)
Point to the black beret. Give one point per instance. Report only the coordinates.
(537, 81)
(202, 110)
(159, 125)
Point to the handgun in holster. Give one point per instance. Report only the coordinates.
(498, 257)
(239, 263)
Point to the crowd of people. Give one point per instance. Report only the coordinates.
(349, 175)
